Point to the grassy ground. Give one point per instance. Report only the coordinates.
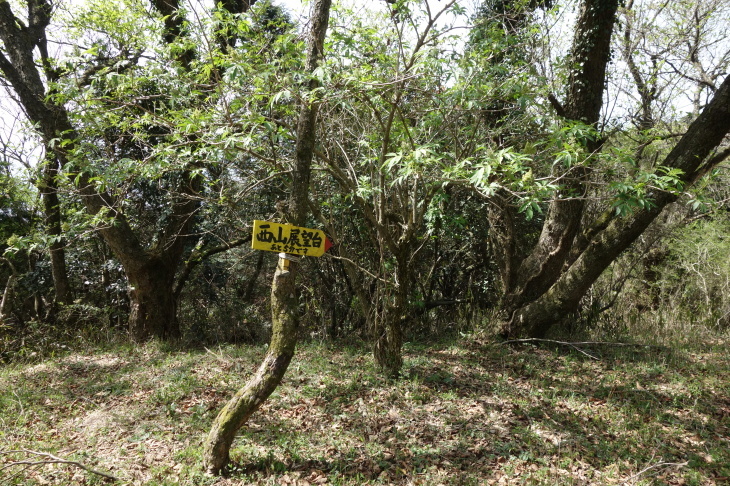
(465, 412)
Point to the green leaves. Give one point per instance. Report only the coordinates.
(637, 193)
(502, 169)
(570, 144)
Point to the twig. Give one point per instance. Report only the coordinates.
(357, 266)
(51, 459)
(583, 343)
(563, 343)
(654, 466)
(575, 345)
(218, 356)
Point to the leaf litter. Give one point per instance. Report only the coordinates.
(470, 412)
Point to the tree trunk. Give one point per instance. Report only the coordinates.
(5, 301)
(19, 69)
(150, 269)
(153, 307)
(285, 326)
(388, 326)
(52, 209)
(7, 293)
(284, 302)
(589, 55)
(609, 237)
(388, 342)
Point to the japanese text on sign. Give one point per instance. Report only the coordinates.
(285, 238)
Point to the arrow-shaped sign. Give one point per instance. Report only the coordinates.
(285, 238)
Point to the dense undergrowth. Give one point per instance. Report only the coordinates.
(467, 410)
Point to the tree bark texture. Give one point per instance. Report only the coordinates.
(692, 155)
(149, 269)
(285, 325)
(7, 293)
(52, 210)
(589, 56)
(388, 327)
(388, 340)
(153, 307)
(284, 302)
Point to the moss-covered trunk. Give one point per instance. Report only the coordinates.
(249, 398)
(284, 308)
(543, 265)
(603, 241)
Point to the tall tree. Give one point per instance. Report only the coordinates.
(150, 261)
(574, 246)
(284, 301)
(382, 151)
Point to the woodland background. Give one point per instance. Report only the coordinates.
(487, 171)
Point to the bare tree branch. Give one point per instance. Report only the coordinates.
(51, 459)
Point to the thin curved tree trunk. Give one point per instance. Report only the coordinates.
(233, 416)
(284, 312)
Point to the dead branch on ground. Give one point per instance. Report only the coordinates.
(49, 459)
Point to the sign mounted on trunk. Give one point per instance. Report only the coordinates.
(285, 238)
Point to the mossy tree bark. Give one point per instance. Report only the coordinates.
(284, 312)
(573, 250)
(285, 326)
(603, 241)
(590, 55)
(388, 340)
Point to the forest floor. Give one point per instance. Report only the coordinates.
(468, 411)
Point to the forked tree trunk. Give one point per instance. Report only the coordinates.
(540, 269)
(149, 270)
(284, 308)
(608, 238)
(572, 252)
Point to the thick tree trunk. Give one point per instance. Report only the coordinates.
(609, 237)
(150, 270)
(590, 55)
(284, 302)
(153, 307)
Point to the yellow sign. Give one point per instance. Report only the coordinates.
(285, 238)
